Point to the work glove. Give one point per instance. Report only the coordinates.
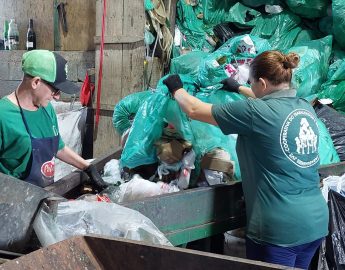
(95, 178)
(173, 82)
(231, 85)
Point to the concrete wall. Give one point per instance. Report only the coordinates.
(11, 73)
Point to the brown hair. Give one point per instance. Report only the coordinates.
(274, 66)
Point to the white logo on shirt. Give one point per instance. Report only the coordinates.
(306, 142)
(299, 139)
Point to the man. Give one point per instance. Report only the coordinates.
(29, 134)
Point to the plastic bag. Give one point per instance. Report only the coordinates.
(216, 11)
(327, 152)
(338, 15)
(335, 123)
(188, 64)
(257, 3)
(66, 219)
(147, 128)
(126, 109)
(308, 8)
(112, 174)
(237, 51)
(282, 30)
(332, 253)
(336, 183)
(72, 129)
(138, 188)
(313, 67)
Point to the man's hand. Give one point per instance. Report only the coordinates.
(95, 178)
(173, 82)
(230, 85)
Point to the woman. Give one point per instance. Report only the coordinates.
(287, 217)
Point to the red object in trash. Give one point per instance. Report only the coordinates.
(86, 91)
(103, 198)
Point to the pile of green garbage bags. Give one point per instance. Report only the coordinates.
(314, 29)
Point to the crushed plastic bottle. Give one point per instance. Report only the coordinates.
(187, 166)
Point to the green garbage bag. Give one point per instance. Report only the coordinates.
(308, 8)
(334, 90)
(212, 68)
(126, 109)
(175, 116)
(216, 11)
(257, 3)
(282, 30)
(188, 64)
(156, 110)
(146, 130)
(238, 14)
(312, 70)
(338, 14)
(192, 27)
(148, 5)
(327, 152)
(209, 137)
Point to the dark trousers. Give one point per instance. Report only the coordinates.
(297, 256)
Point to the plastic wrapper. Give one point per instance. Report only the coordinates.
(66, 219)
(335, 123)
(138, 188)
(126, 109)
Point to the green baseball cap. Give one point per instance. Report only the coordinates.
(50, 67)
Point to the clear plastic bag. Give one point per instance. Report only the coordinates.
(138, 188)
(69, 218)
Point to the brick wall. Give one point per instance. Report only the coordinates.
(11, 73)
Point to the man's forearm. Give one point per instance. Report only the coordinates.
(67, 155)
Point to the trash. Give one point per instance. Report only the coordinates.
(338, 14)
(273, 9)
(308, 9)
(63, 220)
(327, 152)
(126, 109)
(186, 168)
(112, 172)
(332, 251)
(313, 67)
(335, 123)
(187, 64)
(138, 188)
(336, 183)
